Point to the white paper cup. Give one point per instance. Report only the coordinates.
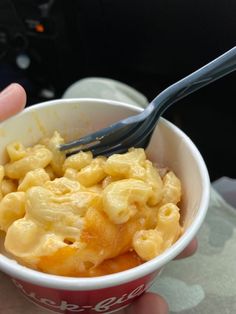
(169, 147)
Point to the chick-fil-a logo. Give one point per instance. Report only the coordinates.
(103, 306)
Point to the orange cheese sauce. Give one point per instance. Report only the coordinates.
(100, 255)
(63, 264)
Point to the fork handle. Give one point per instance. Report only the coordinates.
(219, 67)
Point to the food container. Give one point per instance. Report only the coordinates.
(169, 147)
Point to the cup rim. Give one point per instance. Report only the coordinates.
(18, 271)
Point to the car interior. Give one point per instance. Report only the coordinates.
(47, 45)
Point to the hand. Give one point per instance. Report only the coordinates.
(12, 100)
(152, 303)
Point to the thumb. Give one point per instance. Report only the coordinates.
(12, 100)
(150, 303)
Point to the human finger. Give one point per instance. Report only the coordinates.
(189, 250)
(12, 100)
(150, 303)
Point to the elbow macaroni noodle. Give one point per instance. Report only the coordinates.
(85, 216)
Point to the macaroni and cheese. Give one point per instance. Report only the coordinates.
(85, 216)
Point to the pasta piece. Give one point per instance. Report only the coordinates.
(58, 157)
(16, 151)
(28, 240)
(171, 188)
(128, 165)
(35, 158)
(93, 173)
(12, 207)
(153, 178)
(78, 161)
(148, 243)
(121, 198)
(35, 177)
(62, 186)
(168, 223)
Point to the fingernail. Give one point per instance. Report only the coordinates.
(6, 90)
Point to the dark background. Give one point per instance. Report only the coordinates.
(147, 44)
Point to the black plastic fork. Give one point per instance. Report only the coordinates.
(136, 131)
